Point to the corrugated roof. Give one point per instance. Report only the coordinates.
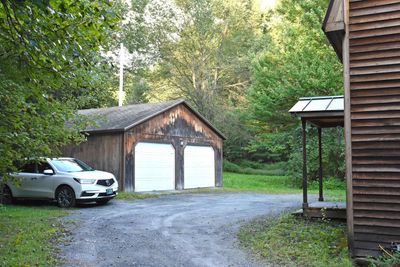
(318, 104)
(118, 119)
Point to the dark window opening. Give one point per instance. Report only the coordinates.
(29, 167)
(42, 166)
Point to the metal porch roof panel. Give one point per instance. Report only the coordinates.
(318, 104)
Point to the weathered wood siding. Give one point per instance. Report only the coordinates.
(374, 76)
(334, 25)
(101, 151)
(179, 127)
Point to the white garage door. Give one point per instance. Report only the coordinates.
(199, 167)
(154, 167)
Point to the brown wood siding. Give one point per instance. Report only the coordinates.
(374, 75)
(101, 151)
(115, 152)
(179, 127)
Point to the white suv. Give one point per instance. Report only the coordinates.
(67, 180)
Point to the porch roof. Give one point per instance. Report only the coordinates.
(321, 111)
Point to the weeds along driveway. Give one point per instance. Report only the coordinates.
(172, 230)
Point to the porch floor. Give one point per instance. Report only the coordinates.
(322, 209)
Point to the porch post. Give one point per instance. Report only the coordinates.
(305, 201)
(321, 192)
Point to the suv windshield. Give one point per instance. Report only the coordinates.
(71, 165)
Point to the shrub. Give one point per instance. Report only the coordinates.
(249, 167)
(333, 155)
(330, 183)
(230, 166)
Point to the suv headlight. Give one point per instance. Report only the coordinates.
(85, 181)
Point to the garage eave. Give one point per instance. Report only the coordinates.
(333, 26)
(103, 131)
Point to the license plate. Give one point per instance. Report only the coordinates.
(109, 191)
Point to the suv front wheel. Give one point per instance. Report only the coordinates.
(65, 197)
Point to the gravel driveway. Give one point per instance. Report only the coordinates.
(172, 230)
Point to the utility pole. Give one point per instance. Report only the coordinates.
(121, 75)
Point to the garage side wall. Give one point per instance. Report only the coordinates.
(101, 151)
(179, 127)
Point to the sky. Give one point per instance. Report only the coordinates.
(267, 4)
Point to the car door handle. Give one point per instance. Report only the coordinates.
(34, 178)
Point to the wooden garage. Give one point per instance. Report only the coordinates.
(366, 35)
(157, 146)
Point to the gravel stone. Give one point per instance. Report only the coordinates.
(172, 230)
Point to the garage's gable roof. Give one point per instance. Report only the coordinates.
(120, 119)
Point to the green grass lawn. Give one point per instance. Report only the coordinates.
(237, 182)
(27, 235)
(277, 184)
(293, 241)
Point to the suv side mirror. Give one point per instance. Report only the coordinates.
(48, 172)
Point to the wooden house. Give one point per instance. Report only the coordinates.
(158, 146)
(366, 36)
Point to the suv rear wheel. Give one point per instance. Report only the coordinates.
(65, 197)
(7, 197)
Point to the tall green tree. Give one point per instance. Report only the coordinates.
(195, 49)
(297, 61)
(207, 62)
(50, 65)
(137, 89)
(199, 50)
